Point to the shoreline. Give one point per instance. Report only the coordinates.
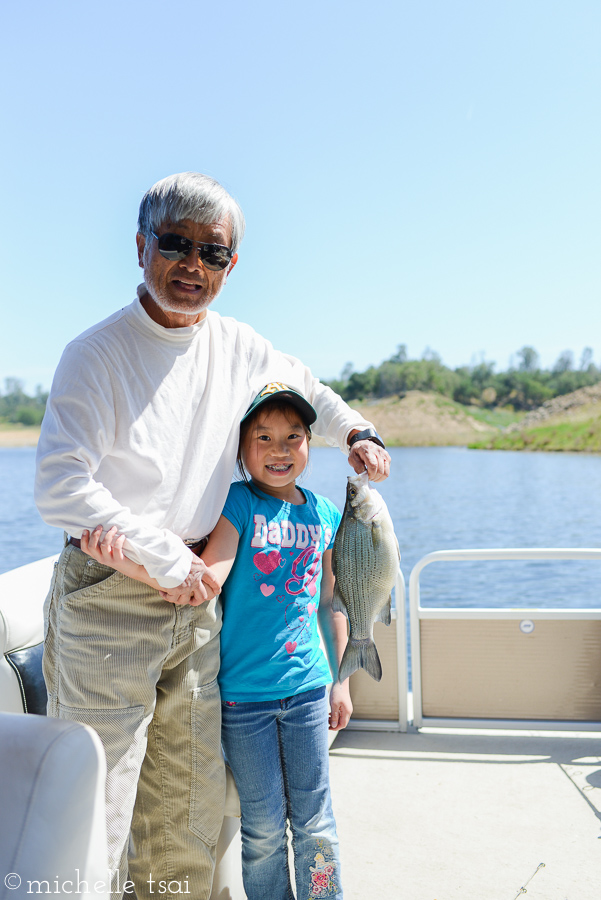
(19, 436)
(570, 424)
(14, 438)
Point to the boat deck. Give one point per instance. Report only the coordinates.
(445, 814)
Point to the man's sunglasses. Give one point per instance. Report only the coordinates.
(175, 247)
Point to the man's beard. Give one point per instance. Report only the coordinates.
(167, 304)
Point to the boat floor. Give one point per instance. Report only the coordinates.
(468, 815)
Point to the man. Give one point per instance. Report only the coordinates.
(141, 432)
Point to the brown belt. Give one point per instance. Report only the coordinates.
(197, 547)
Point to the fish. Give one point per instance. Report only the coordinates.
(365, 561)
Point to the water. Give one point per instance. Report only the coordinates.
(23, 536)
(451, 498)
(439, 498)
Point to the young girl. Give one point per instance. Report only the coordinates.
(273, 545)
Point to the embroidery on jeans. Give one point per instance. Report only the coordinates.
(323, 883)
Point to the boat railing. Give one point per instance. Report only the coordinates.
(532, 668)
(484, 667)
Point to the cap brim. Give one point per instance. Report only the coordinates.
(307, 412)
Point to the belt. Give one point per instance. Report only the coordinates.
(195, 546)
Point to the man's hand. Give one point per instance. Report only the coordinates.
(107, 550)
(368, 455)
(199, 586)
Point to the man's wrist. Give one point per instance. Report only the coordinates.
(368, 434)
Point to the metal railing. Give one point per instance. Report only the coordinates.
(422, 618)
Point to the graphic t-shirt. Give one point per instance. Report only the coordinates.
(270, 646)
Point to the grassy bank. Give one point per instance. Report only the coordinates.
(414, 419)
(420, 419)
(581, 436)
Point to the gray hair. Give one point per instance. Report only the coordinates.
(189, 195)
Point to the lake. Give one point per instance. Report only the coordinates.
(439, 498)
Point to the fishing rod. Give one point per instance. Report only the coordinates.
(523, 890)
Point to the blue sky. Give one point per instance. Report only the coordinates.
(418, 173)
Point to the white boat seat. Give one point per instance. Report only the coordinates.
(22, 689)
(22, 594)
(52, 791)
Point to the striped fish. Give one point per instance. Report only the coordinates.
(366, 561)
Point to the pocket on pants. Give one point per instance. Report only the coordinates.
(95, 581)
(207, 792)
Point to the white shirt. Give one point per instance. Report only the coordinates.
(142, 424)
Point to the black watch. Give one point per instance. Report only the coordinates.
(368, 434)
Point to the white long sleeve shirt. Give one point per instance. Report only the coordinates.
(142, 424)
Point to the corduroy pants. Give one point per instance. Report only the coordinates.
(143, 673)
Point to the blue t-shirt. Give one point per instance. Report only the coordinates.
(270, 645)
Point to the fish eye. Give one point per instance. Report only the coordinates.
(353, 491)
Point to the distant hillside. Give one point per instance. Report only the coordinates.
(420, 419)
(414, 419)
(426, 419)
(571, 422)
(522, 388)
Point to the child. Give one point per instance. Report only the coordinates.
(274, 542)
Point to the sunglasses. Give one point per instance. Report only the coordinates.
(175, 247)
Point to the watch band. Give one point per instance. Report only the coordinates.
(368, 434)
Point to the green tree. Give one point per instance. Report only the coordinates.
(528, 359)
(360, 385)
(401, 355)
(564, 363)
(17, 406)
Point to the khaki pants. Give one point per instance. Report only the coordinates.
(142, 672)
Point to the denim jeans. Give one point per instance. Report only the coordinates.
(278, 752)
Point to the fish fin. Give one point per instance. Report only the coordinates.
(360, 655)
(338, 604)
(385, 614)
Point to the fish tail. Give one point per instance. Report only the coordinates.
(360, 654)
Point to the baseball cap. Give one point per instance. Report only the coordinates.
(276, 390)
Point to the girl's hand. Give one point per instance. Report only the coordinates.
(341, 705)
(107, 550)
(200, 586)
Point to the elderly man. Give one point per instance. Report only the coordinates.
(141, 432)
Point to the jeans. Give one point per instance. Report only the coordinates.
(278, 752)
(142, 672)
